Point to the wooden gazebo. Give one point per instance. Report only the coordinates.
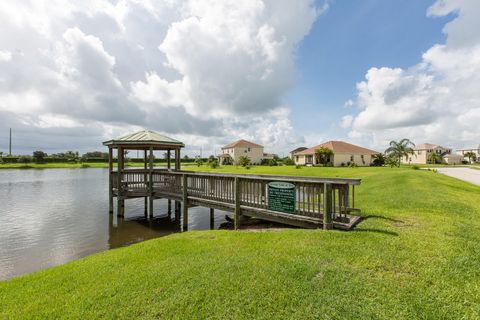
(145, 140)
(299, 201)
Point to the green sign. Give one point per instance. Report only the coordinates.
(281, 197)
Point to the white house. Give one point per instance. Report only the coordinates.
(233, 151)
(475, 151)
(422, 151)
(343, 154)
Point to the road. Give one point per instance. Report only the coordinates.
(465, 174)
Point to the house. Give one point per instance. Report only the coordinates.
(343, 154)
(291, 153)
(475, 151)
(422, 152)
(233, 151)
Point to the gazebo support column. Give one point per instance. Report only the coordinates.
(185, 202)
(168, 159)
(212, 218)
(150, 182)
(120, 199)
(110, 181)
(145, 180)
(177, 159)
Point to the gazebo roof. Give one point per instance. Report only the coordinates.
(146, 138)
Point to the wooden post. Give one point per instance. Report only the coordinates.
(169, 207)
(120, 200)
(185, 202)
(150, 181)
(145, 181)
(212, 218)
(328, 209)
(110, 180)
(237, 203)
(177, 159)
(168, 160)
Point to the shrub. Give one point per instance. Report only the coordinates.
(272, 162)
(213, 163)
(415, 167)
(199, 161)
(297, 166)
(288, 162)
(352, 164)
(24, 159)
(244, 161)
(227, 161)
(39, 156)
(84, 165)
(378, 160)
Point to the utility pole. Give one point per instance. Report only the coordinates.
(10, 145)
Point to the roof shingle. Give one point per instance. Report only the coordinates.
(339, 147)
(242, 144)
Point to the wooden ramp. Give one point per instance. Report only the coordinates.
(317, 202)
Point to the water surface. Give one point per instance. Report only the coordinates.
(51, 216)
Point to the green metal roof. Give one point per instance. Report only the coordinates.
(146, 137)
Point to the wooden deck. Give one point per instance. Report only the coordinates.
(320, 202)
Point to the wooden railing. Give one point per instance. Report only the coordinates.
(314, 196)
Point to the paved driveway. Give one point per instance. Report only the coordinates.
(465, 174)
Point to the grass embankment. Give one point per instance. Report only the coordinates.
(71, 165)
(416, 255)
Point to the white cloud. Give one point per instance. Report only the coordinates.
(435, 101)
(5, 56)
(346, 121)
(200, 69)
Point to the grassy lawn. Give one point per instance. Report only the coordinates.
(416, 255)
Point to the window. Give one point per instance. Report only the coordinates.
(351, 157)
(362, 157)
(296, 158)
(248, 149)
(419, 152)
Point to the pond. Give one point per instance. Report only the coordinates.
(51, 216)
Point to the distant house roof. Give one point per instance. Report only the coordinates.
(427, 146)
(452, 155)
(144, 137)
(470, 149)
(298, 150)
(242, 144)
(339, 147)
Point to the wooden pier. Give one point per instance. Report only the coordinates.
(313, 202)
(319, 202)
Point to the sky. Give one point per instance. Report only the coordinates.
(277, 72)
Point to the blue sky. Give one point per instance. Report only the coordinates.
(347, 40)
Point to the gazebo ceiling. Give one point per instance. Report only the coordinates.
(145, 139)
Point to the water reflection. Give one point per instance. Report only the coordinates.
(52, 216)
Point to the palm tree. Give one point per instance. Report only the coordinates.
(434, 157)
(399, 149)
(472, 157)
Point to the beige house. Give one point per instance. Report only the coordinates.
(343, 154)
(292, 153)
(475, 151)
(422, 151)
(233, 151)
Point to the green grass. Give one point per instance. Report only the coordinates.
(416, 255)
